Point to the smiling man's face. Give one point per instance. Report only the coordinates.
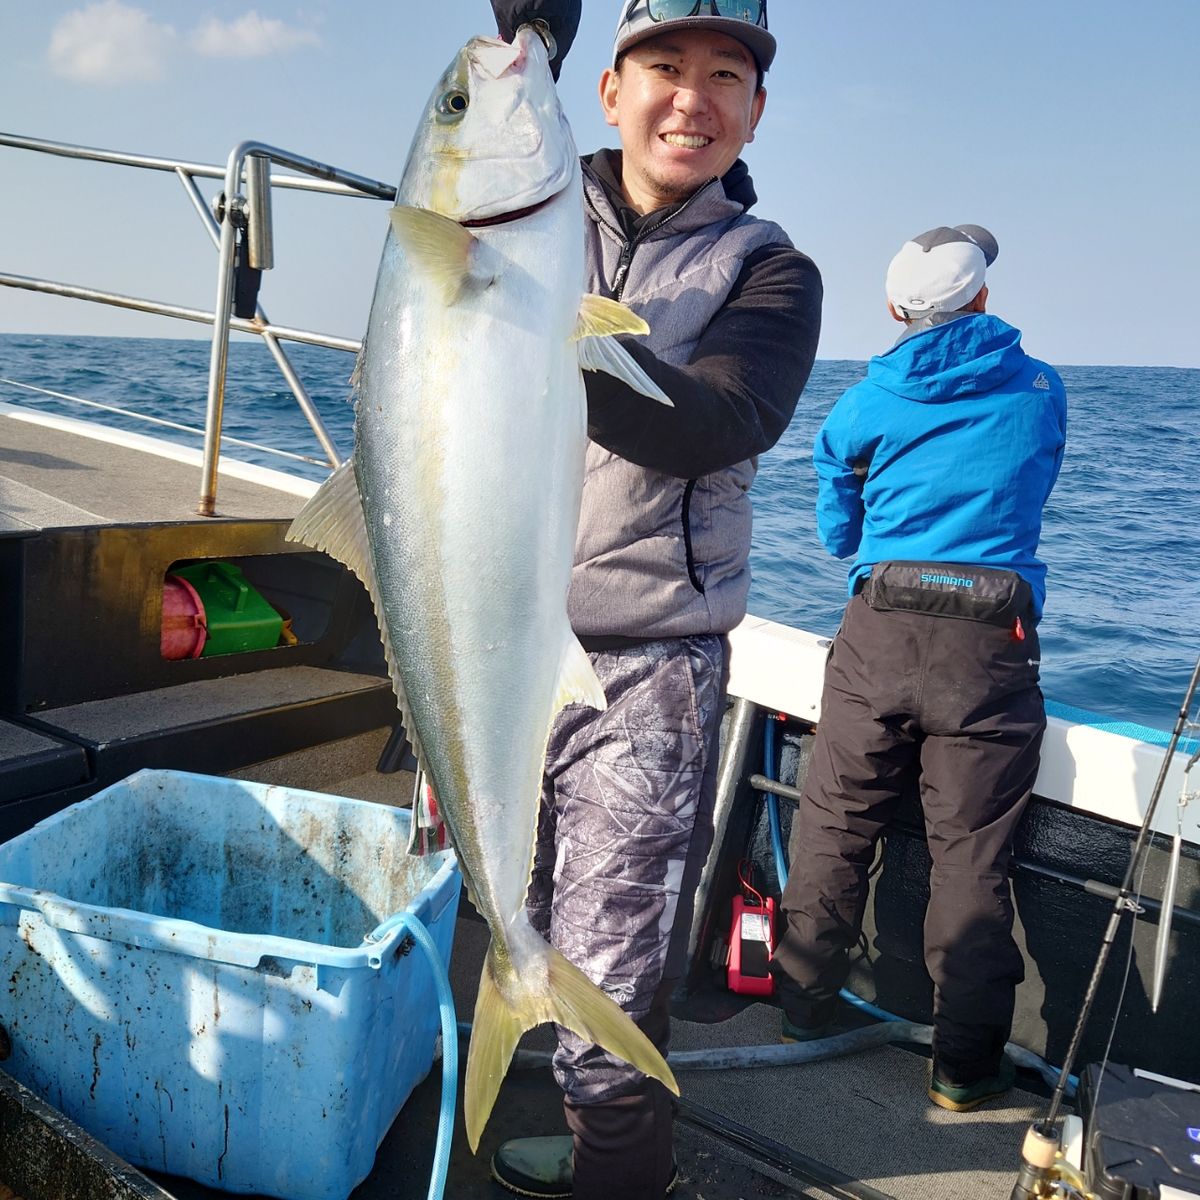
(685, 103)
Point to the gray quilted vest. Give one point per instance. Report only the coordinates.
(658, 556)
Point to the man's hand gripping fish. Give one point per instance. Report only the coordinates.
(459, 508)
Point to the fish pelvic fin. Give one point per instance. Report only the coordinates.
(449, 255)
(600, 320)
(577, 681)
(572, 1000)
(601, 317)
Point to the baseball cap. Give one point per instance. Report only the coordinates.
(745, 20)
(941, 270)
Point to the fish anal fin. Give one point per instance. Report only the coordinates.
(332, 521)
(446, 252)
(577, 681)
(356, 373)
(601, 317)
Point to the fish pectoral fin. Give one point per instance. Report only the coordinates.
(494, 1036)
(577, 681)
(608, 355)
(450, 255)
(601, 317)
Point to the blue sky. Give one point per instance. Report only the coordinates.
(1069, 128)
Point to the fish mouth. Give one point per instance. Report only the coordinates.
(508, 218)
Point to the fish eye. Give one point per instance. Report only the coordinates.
(453, 104)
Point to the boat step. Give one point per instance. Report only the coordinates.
(32, 762)
(211, 726)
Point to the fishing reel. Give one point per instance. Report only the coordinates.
(1045, 1172)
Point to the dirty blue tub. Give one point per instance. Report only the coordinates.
(188, 972)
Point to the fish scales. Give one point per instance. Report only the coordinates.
(474, 436)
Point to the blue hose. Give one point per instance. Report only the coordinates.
(441, 981)
(1027, 1057)
(773, 803)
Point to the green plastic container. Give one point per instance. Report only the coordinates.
(238, 618)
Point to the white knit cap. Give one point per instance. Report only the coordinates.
(940, 271)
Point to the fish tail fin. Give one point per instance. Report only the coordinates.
(579, 1005)
(494, 1035)
(571, 1000)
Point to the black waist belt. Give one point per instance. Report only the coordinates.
(986, 594)
(594, 643)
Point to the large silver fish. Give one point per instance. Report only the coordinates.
(459, 507)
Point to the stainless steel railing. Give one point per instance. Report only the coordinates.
(242, 217)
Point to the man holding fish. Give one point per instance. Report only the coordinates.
(555, 567)
(661, 562)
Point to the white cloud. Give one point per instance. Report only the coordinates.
(110, 43)
(250, 36)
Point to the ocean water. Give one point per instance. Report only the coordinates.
(1121, 537)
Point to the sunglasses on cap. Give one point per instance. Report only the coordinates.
(671, 10)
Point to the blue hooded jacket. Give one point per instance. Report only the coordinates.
(958, 437)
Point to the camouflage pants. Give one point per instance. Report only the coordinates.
(625, 827)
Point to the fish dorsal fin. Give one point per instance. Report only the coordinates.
(448, 254)
(577, 681)
(333, 521)
(601, 317)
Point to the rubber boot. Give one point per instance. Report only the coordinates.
(542, 1167)
(536, 1166)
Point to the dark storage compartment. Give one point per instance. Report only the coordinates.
(88, 624)
(1140, 1135)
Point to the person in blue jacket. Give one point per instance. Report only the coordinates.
(933, 473)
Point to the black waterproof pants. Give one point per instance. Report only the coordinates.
(954, 705)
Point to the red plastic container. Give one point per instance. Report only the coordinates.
(184, 629)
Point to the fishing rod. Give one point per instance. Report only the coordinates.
(1042, 1165)
(1167, 913)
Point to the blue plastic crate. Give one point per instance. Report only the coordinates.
(189, 975)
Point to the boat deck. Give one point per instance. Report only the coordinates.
(60, 473)
(860, 1126)
(853, 1127)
